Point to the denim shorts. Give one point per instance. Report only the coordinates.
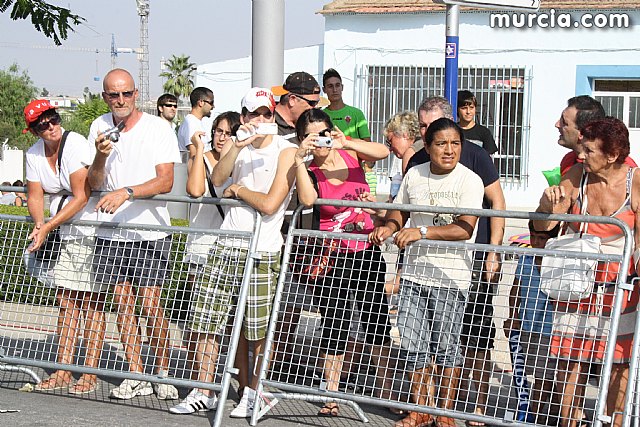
(430, 324)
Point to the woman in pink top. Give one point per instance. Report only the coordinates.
(335, 173)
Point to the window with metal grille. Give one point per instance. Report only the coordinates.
(620, 99)
(503, 106)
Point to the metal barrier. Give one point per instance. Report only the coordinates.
(306, 366)
(39, 324)
(631, 415)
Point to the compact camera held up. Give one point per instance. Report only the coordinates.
(113, 134)
(260, 129)
(324, 141)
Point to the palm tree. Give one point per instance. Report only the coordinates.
(179, 74)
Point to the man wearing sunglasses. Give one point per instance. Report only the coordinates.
(167, 107)
(201, 105)
(299, 93)
(133, 261)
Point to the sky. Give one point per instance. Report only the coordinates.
(205, 30)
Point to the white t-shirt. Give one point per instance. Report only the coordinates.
(190, 125)
(133, 161)
(256, 170)
(8, 199)
(204, 216)
(76, 155)
(461, 188)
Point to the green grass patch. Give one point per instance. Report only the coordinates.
(14, 210)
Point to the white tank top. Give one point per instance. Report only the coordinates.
(255, 168)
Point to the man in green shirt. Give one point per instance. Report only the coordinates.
(349, 120)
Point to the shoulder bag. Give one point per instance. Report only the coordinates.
(50, 250)
(562, 277)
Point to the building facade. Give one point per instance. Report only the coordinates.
(522, 67)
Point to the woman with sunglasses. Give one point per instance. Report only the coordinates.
(57, 164)
(335, 173)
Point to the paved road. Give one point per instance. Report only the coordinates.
(59, 408)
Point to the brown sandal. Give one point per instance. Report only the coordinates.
(329, 410)
(56, 381)
(86, 384)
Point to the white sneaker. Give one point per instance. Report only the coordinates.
(129, 389)
(165, 391)
(245, 407)
(195, 401)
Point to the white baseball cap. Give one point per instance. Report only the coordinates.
(258, 97)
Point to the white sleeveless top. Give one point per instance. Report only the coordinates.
(255, 168)
(204, 216)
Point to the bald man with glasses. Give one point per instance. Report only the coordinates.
(134, 262)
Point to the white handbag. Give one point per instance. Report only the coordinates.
(566, 278)
(569, 279)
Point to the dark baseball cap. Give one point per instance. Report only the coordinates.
(299, 82)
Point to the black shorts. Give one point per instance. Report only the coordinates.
(479, 331)
(141, 263)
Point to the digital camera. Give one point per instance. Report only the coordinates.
(324, 141)
(113, 134)
(260, 129)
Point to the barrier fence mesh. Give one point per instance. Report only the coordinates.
(422, 328)
(120, 307)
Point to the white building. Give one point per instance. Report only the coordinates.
(230, 80)
(391, 56)
(11, 163)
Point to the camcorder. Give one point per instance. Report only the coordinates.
(113, 134)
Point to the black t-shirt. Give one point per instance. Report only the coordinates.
(481, 136)
(285, 130)
(476, 159)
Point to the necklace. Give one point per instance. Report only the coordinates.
(431, 199)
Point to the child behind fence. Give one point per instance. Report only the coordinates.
(529, 327)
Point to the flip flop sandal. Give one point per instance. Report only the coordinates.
(329, 410)
(53, 383)
(84, 387)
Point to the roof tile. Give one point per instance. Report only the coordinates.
(427, 6)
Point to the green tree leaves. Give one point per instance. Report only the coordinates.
(53, 21)
(179, 74)
(16, 90)
(80, 120)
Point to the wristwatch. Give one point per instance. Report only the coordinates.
(129, 191)
(423, 232)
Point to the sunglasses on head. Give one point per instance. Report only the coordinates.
(43, 125)
(116, 95)
(312, 103)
